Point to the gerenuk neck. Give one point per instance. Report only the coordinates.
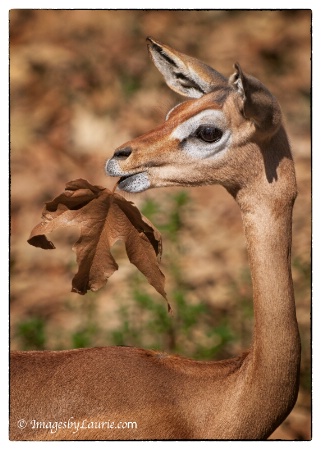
(267, 217)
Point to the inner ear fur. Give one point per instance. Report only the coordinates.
(258, 104)
(183, 74)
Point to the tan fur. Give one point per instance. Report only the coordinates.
(169, 397)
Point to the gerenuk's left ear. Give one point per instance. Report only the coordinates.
(183, 74)
(258, 104)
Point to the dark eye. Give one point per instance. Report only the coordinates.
(208, 133)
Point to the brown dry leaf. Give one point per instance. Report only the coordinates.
(103, 218)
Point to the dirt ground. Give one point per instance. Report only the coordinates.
(81, 84)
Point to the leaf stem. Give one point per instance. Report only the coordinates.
(114, 188)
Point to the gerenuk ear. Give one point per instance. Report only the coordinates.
(258, 104)
(183, 74)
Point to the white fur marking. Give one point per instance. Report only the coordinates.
(171, 110)
(209, 116)
(195, 147)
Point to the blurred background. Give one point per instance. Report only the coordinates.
(81, 84)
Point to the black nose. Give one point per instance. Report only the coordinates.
(123, 153)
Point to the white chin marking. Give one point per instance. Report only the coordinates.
(138, 182)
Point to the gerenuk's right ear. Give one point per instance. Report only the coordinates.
(258, 104)
(183, 74)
